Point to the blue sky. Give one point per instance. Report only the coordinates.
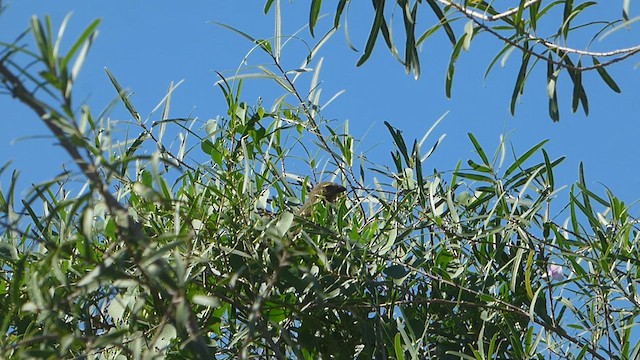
(148, 45)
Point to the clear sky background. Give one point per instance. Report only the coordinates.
(149, 44)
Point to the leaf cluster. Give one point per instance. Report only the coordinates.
(536, 31)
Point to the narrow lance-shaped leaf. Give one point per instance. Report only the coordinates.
(533, 15)
(267, 6)
(605, 76)
(480, 168)
(587, 209)
(499, 55)
(77, 65)
(519, 178)
(452, 65)
(42, 41)
(397, 346)
(518, 89)
(88, 32)
(479, 149)
(519, 23)
(399, 140)
(412, 60)
(524, 157)
(527, 274)
(386, 35)
(239, 32)
(475, 177)
(515, 269)
(579, 95)
(339, 10)
(58, 41)
(577, 90)
(418, 168)
(566, 19)
(443, 20)
(428, 34)
(549, 167)
(375, 29)
(123, 95)
(314, 10)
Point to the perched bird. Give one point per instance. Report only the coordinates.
(324, 191)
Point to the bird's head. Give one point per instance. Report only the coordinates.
(327, 190)
(324, 191)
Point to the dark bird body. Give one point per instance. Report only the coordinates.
(324, 191)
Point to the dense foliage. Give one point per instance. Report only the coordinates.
(158, 254)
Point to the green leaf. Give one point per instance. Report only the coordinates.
(412, 59)
(507, 47)
(515, 269)
(123, 95)
(479, 150)
(314, 10)
(86, 34)
(388, 245)
(397, 346)
(480, 168)
(339, 10)
(209, 148)
(44, 43)
(549, 171)
(396, 271)
(265, 45)
(605, 76)
(267, 6)
(518, 20)
(577, 90)
(397, 138)
(518, 89)
(475, 177)
(579, 95)
(443, 258)
(443, 20)
(566, 19)
(241, 33)
(428, 34)
(533, 15)
(524, 157)
(418, 169)
(375, 29)
(452, 65)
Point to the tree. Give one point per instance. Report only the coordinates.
(160, 256)
(535, 29)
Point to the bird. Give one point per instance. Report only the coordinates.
(324, 191)
(286, 223)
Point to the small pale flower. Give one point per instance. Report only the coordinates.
(555, 272)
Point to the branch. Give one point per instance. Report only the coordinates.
(478, 19)
(483, 16)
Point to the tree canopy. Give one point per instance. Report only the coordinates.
(155, 254)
